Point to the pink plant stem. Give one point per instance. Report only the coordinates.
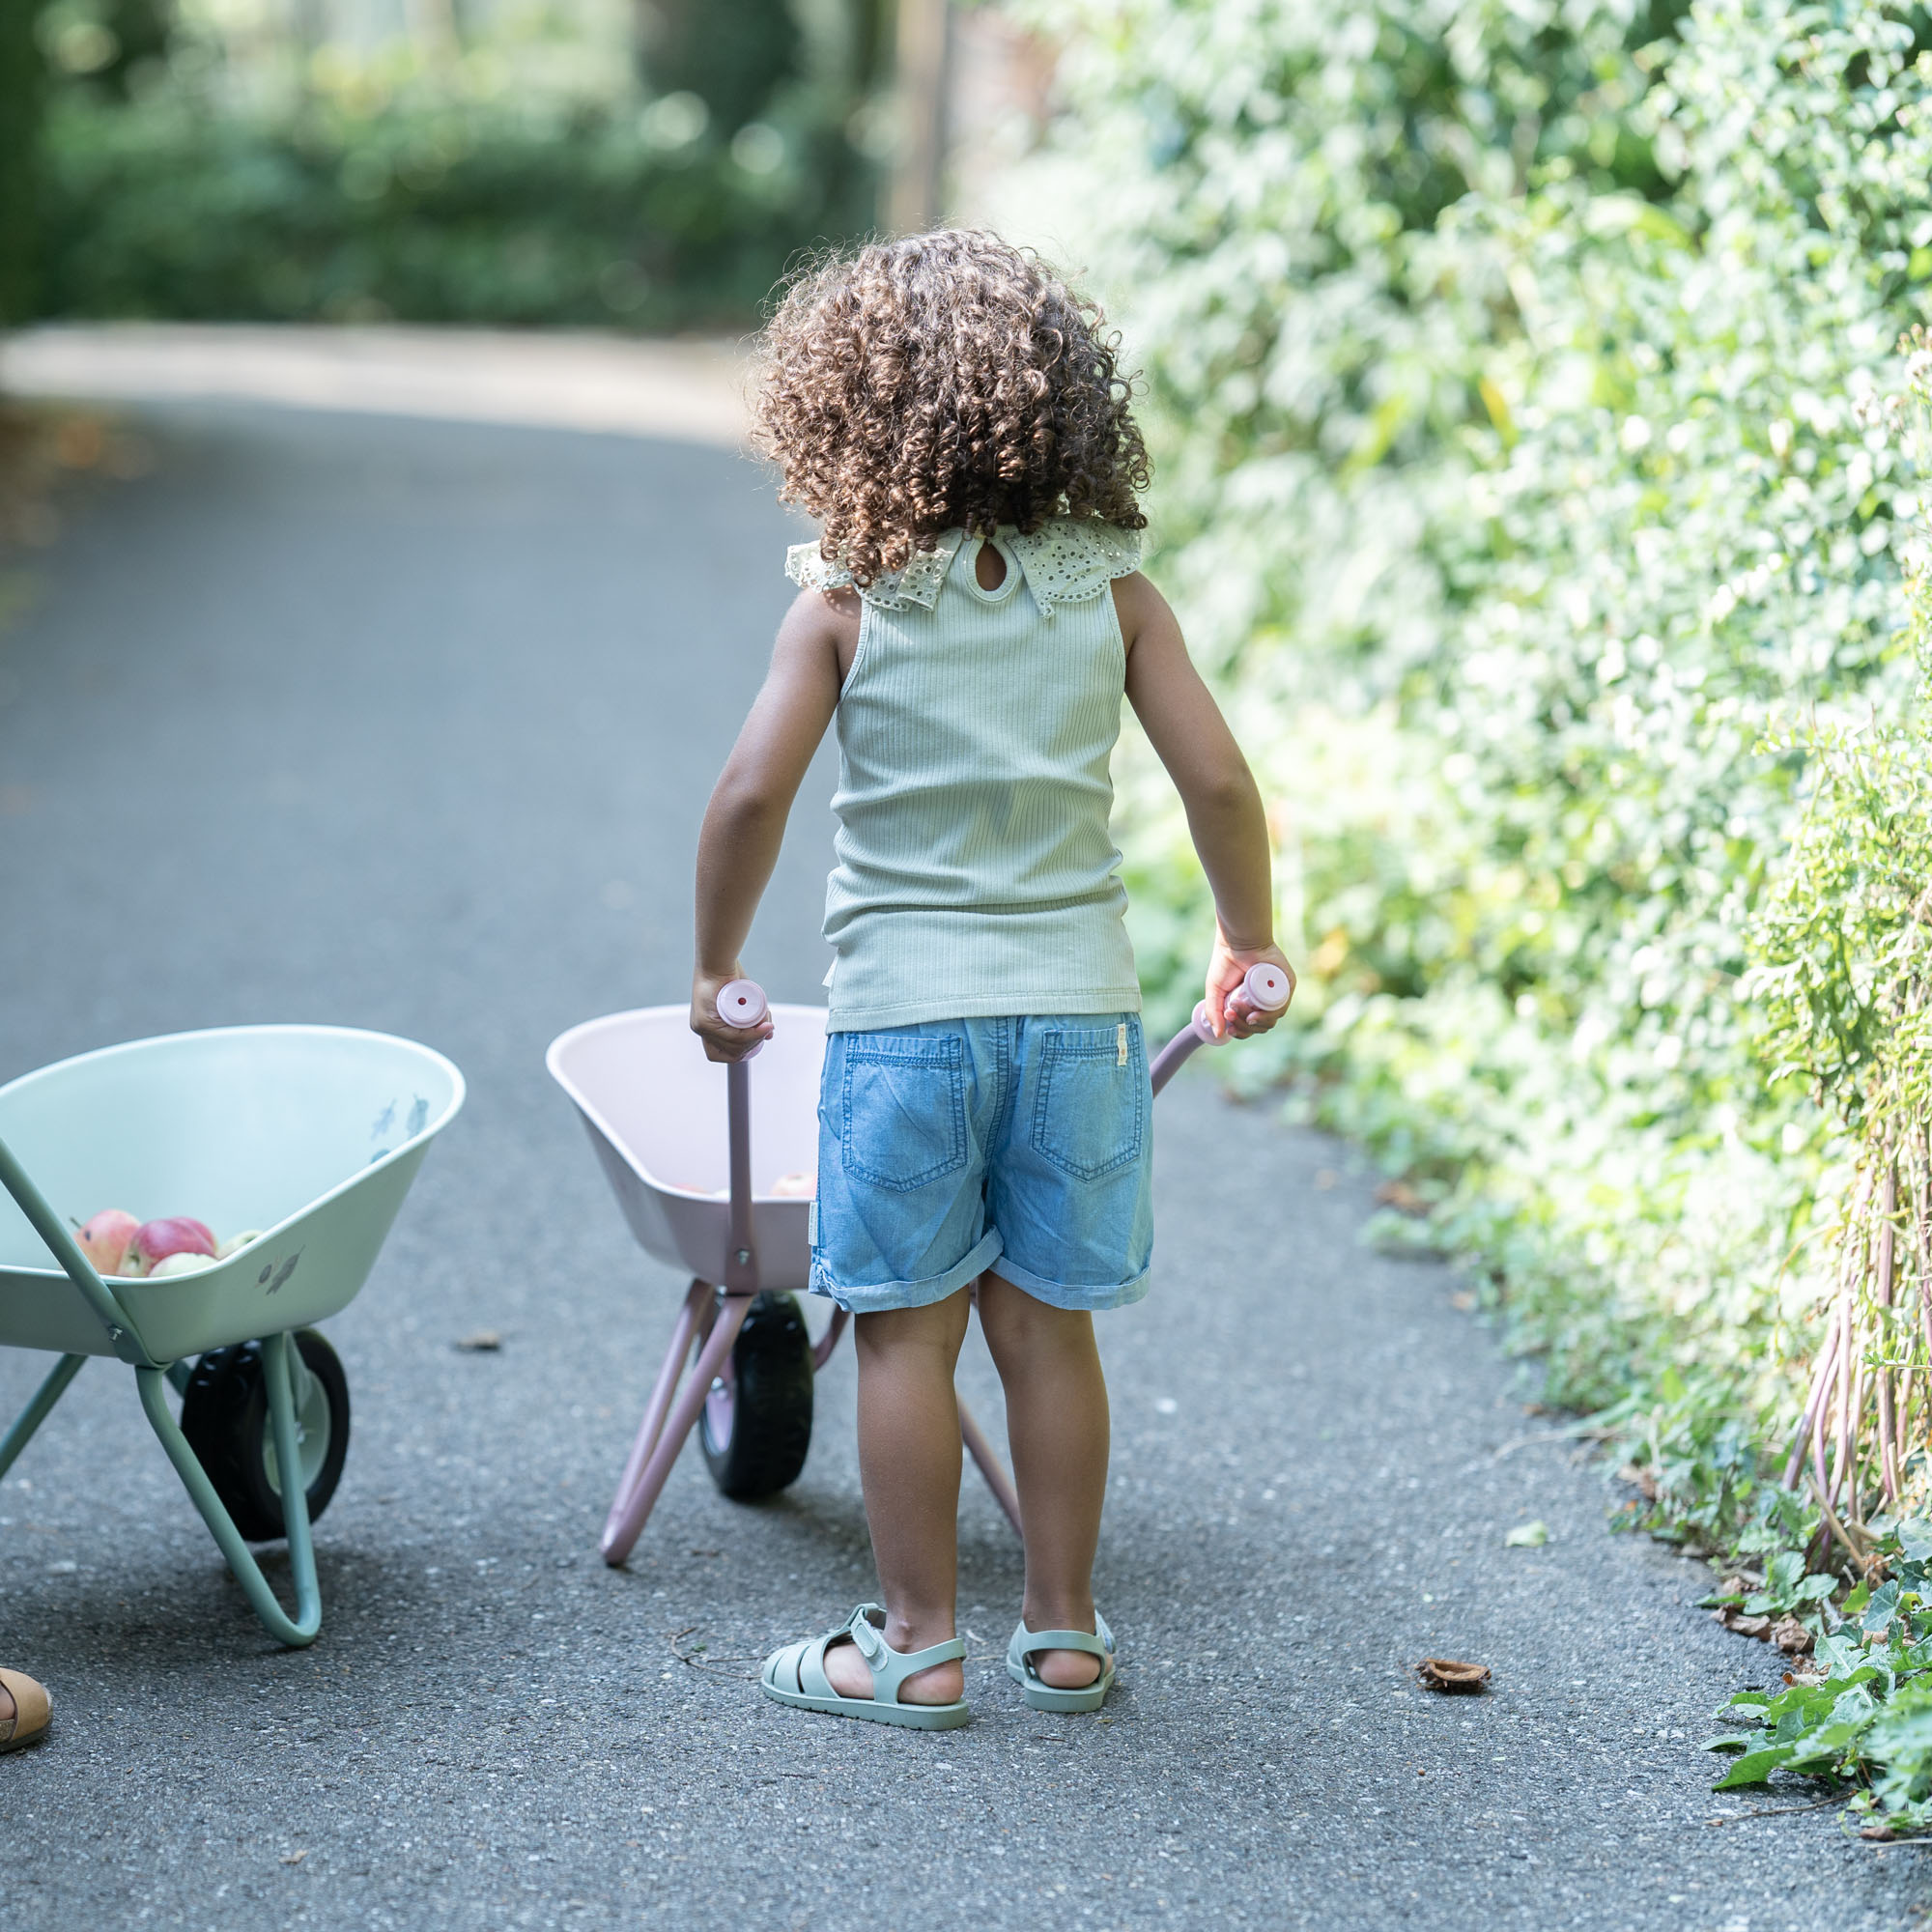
(1828, 1380)
(1853, 1511)
(1814, 1403)
(1851, 1274)
(1923, 1218)
(1888, 1251)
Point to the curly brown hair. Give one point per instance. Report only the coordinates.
(948, 381)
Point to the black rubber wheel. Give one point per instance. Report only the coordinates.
(225, 1418)
(755, 1425)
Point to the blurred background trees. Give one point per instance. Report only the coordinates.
(23, 96)
(649, 167)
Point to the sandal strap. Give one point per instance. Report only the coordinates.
(1096, 1642)
(892, 1668)
(32, 1706)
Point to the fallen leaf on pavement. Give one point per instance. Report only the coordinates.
(1527, 1536)
(1638, 1478)
(1442, 1674)
(1734, 1619)
(485, 1340)
(294, 1858)
(1791, 1637)
(1401, 1196)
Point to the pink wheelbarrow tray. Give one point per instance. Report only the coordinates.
(680, 1142)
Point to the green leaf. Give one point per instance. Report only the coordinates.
(1754, 1767)
(1882, 1610)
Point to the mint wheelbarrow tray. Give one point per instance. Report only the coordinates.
(312, 1134)
(678, 1140)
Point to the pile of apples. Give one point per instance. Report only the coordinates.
(118, 1244)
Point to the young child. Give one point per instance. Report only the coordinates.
(954, 418)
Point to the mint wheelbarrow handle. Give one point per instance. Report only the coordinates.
(66, 1250)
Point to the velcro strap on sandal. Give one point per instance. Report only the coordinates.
(892, 1668)
(865, 1634)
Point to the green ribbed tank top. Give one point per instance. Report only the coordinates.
(976, 869)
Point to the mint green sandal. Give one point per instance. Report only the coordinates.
(796, 1675)
(1098, 1642)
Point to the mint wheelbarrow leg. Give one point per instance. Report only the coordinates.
(35, 1414)
(302, 1628)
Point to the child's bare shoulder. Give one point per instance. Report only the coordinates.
(825, 615)
(1141, 608)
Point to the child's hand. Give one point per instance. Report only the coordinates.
(1227, 968)
(721, 1042)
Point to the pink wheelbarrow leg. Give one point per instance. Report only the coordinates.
(657, 1448)
(649, 1429)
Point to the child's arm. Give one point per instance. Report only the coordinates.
(745, 822)
(1223, 804)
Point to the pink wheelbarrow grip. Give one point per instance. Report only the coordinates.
(1264, 989)
(742, 1003)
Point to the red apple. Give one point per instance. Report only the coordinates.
(104, 1239)
(174, 1234)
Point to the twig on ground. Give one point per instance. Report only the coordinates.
(715, 1664)
(1772, 1811)
(1578, 1433)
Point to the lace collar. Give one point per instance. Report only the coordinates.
(1065, 561)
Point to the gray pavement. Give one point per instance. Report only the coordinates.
(410, 725)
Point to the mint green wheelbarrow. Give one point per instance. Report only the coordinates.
(312, 1134)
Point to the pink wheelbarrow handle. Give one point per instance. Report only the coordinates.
(1265, 991)
(742, 1003)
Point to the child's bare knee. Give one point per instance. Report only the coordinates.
(1020, 1322)
(938, 1326)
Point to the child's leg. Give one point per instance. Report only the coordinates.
(1057, 1429)
(909, 1462)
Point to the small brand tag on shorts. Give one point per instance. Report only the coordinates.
(811, 1230)
(1120, 1044)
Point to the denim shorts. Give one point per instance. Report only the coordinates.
(1021, 1145)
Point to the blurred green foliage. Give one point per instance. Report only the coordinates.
(22, 90)
(735, 73)
(516, 183)
(1511, 369)
(431, 209)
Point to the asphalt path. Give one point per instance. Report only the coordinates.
(410, 725)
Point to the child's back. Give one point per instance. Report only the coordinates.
(975, 865)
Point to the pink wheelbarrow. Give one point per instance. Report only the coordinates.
(685, 1152)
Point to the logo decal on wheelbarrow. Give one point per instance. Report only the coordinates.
(281, 1274)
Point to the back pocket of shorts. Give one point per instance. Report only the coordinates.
(905, 1110)
(1089, 1113)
